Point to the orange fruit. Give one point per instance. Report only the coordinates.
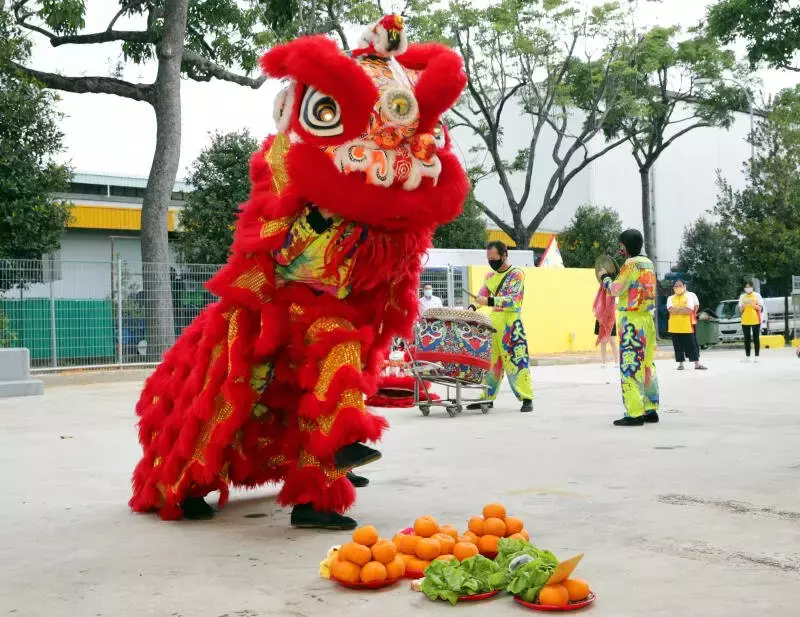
(554, 595)
(494, 527)
(367, 535)
(345, 571)
(406, 558)
(398, 540)
(418, 565)
(445, 558)
(525, 535)
(577, 588)
(513, 525)
(428, 548)
(494, 510)
(446, 542)
(517, 536)
(464, 550)
(373, 572)
(472, 537)
(355, 553)
(384, 551)
(426, 526)
(395, 568)
(408, 545)
(450, 531)
(488, 544)
(476, 525)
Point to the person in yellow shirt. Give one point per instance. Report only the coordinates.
(751, 306)
(682, 309)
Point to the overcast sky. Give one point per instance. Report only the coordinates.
(112, 135)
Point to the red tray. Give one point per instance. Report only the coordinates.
(479, 596)
(375, 585)
(572, 606)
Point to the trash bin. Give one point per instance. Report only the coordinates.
(707, 329)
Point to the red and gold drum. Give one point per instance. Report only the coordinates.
(458, 340)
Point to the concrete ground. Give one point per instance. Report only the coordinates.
(697, 516)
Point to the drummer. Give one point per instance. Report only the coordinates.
(503, 290)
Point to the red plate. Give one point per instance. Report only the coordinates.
(490, 555)
(479, 596)
(572, 606)
(375, 585)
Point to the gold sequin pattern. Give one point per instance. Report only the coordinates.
(252, 280)
(326, 324)
(233, 332)
(307, 424)
(330, 471)
(158, 461)
(295, 310)
(276, 157)
(277, 461)
(343, 354)
(216, 352)
(275, 226)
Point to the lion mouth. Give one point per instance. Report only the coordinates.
(386, 168)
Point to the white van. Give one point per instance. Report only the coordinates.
(775, 309)
(730, 322)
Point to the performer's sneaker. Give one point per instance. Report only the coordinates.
(527, 405)
(473, 406)
(196, 509)
(356, 480)
(629, 421)
(304, 516)
(651, 417)
(356, 455)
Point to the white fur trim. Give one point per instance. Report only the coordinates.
(284, 106)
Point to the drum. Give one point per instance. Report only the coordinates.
(458, 340)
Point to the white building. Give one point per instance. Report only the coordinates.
(684, 179)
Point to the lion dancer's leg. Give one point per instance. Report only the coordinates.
(328, 352)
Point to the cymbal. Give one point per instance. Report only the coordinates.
(607, 263)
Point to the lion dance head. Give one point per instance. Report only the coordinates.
(361, 133)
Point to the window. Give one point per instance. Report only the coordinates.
(80, 188)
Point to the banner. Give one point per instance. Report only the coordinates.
(552, 256)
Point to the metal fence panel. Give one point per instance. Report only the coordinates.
(72, 314)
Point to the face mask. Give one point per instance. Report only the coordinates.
(495, 264)
(622, 253)
(748, 290)
(680, 291)
(428, 293)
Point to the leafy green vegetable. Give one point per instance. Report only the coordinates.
(448, 580)
(527, 579)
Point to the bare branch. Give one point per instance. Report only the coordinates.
(680, 133)
(90, 85)
(107, 36)
(127, 6)
(495, 218)
(203, 69)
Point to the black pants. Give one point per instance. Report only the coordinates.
(752, 333)
(684, 346)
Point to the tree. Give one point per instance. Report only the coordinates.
(200, 40)
(710, 261)
(468, 231)
(220, 181)
(765, 216)
(517, 62)
(31, 221)
(591, 232)
(771, 29)
(672, 87)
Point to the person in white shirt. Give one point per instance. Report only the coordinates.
(695, 301)
(428, 300)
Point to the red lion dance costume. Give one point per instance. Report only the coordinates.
(268, 384)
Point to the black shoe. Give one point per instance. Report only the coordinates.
(356, 455)
(628, 421)
(304, 516)
(651, 417)
(487, 404)
(527, 405)
(356, 480)
(196, 509)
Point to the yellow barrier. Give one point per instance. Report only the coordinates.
(557, 311)
(796, 342)
(773, 341)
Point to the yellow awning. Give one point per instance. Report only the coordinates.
(540, 239)
(85, 216)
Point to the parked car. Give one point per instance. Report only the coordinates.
(730, 322)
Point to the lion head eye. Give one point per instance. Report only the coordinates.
(320, 114)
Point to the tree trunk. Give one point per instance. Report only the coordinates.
(786, 303)
(158, 194)
(647, 220)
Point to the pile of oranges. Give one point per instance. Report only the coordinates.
(487, 530)
(561, 594)
(431, 542)
(367, 559)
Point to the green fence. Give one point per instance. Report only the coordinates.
(85, 331)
